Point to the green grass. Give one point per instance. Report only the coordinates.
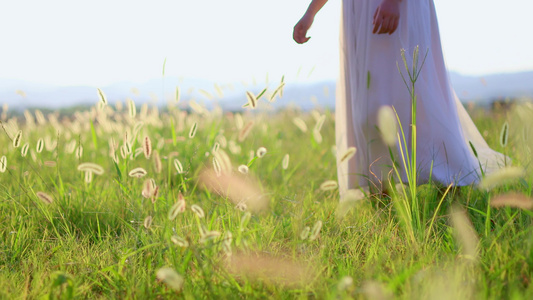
(91, 242)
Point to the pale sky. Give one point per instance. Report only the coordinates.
(100, 42)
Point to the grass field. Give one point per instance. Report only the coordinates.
(74, 230)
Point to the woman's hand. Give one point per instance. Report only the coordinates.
(300, 29)
(387, 17)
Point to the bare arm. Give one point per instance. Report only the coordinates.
(315, 6)
(300, 29)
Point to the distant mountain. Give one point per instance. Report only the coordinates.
(493, 87)
(21, 94)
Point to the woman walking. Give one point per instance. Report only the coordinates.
(372, 34)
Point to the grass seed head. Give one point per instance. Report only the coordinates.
(241, 206)
(95, 168)
(216, 167)
(123, 152)
(132, 110)
(261, 152)
(24, 150)
(345, 283)
(50, 144)
(170, 278)
(192, 132)
(320, 122)
(300, 124)
(504, 135)
(158, 166)
(305, 233)
(329, 185)
(101, 95)
(198, 211)
(221, 139)
(70, 147)
(224, 161)
(178, 166)
(245, 131)
(209, 236)
(137, 172)
(502, 176)
(88, 177)
(348, 154)
(285, 162)
(50, 163)
(239, 122)
(79, 152)
(179, 241)
(30, 121)
(41, 120)
(315, 232)
(47, 199)
(177, 208)
(317, 136)
(147, 147)
(115, 158)
(252, 100)
(3, 164)
(464, 233)
(228, 238)
(147, 222)
(40, 145)
(512, 200)
(127, 147)
(155, 194)
(387, 125)
(33, 155)
(17, 139)
(148, 188)
(277, 91)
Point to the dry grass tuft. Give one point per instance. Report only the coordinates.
(464, 233)
(271, 270)
(235, 188)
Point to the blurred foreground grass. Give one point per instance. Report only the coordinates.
(163, 235)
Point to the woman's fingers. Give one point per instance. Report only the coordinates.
(384, 25)
(377, 23)
(375, 15)
(299, 35)
(395, 25)
(386, 17)
(300, 30)
(389, 26)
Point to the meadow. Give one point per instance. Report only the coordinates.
(138, 202)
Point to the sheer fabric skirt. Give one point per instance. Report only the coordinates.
(370, 78)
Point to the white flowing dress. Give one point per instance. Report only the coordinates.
(369, 79)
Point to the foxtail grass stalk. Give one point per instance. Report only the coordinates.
(409, 208)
